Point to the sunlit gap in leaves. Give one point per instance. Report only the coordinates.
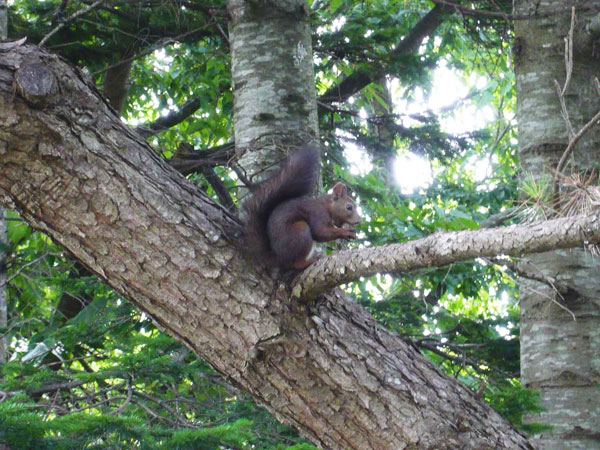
(161, 63)
(450, 100)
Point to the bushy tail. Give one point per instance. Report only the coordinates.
(296, 177)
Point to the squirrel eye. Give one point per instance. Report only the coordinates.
(349, 207)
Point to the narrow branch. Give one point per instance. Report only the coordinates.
(187, 160)
(475, 12)
(70, 19)
(444, 248)
(575, 140)
(128, 398)
(220, 189)
(525, 271)
(182, 420)
(58, 14)
(76, 383)
(157, 45)
(498, 219)
(170, 120)
(569, 52)
(154, 414)
(361, 78)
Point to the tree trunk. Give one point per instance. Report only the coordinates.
(73, 170)
(3, 289)
(116, 84)
(560, 338)
(3, 242)
(272, 74)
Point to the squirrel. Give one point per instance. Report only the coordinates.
(282, 223)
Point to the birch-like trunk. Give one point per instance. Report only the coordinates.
(560, 345)
(275, 106)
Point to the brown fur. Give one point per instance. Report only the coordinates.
(287, 229)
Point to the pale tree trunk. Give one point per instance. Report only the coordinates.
(3, 241)
(560, 338)
(73, 170)
(275, 107)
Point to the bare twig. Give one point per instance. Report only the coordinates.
(129, 395)
(22, 268)
(574, 141)
(154, 414)
(569, 52)
(179, 418)
(569, 70)
(219, 188)
(559, 288)
(68, 20)
(562, 289)
(159, 44)
(563, 110)
(574, 138)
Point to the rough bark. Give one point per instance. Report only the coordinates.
(74, 171)
(3, 20)
(444, 248)
(560, 342)
(3, 246)
(3, 292)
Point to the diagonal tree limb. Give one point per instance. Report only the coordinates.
(170, 120)
(361, 78)
(220, 189)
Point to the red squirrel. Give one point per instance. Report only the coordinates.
(282, 223)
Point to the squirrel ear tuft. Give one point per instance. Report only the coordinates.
(339, 190)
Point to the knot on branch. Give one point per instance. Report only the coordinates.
(37, 85)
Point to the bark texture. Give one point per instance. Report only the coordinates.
(444, 248)
(74, 171)
(560, 338)
(272, 80)
(3, 247)
(3, 296)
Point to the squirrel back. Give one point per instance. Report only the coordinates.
(282, 224)
(296, 178)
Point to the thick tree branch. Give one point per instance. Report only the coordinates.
(441, 249)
